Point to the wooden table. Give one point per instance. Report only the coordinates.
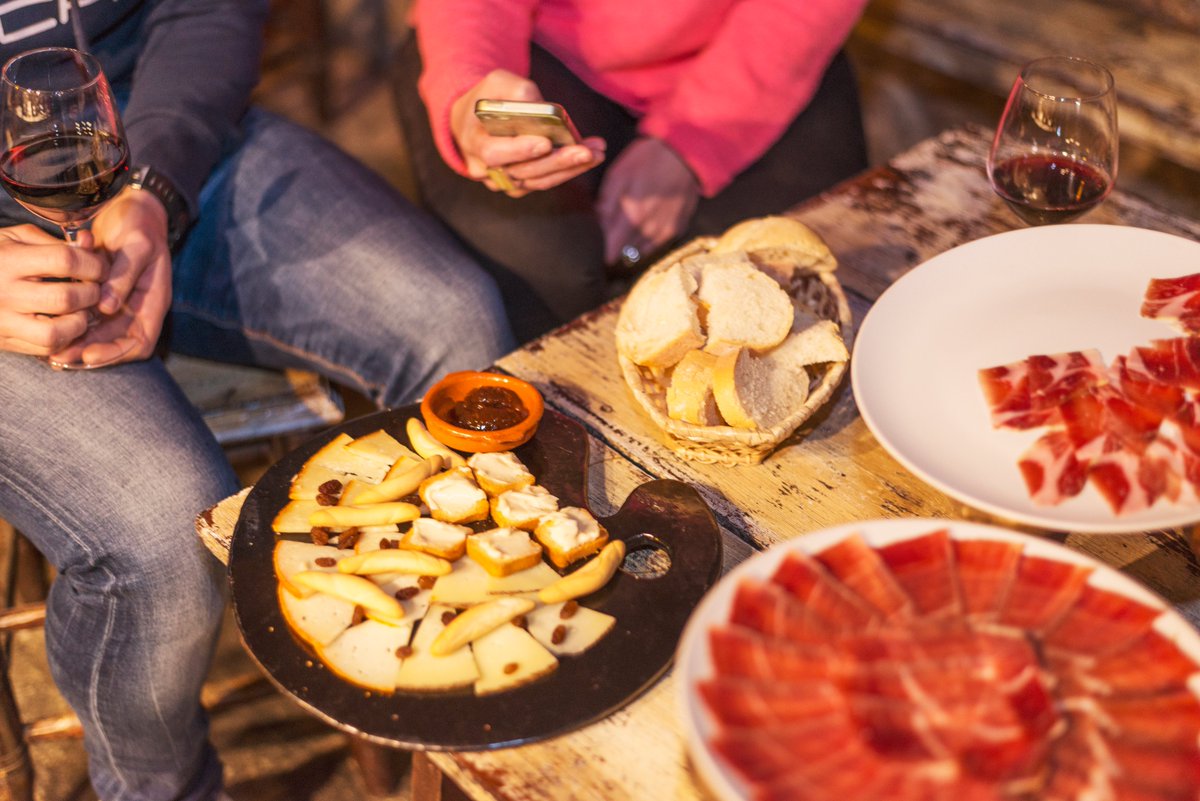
(880, 225)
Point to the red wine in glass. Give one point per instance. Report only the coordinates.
(1049, 189)
(1054, 156)
(65, 178)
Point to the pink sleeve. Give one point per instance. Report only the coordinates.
(749, 84)
(461, 41)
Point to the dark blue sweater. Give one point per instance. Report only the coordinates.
(187, 67)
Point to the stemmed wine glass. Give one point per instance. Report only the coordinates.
(1054, 156)
(64, 151)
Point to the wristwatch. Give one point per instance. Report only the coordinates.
(178, 217)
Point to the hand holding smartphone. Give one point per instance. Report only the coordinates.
(521, 117)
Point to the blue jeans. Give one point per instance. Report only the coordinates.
(301, 258)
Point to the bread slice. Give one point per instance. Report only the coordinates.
(817, 343)
(499, 471)
(454, 497)
(447, 540)
(660, 319)
(503, 551)
(758, 391)
(689, 395)
(523, 508)
(778, 241)
(570, 534)
(744, 306)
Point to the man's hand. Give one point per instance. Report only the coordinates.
(529, 161)
(133, 301)
(39, 316)
(647, 197)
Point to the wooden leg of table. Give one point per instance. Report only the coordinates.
(430, 784)
(379, 766)
(16, 771)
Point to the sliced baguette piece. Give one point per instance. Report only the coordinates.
(689, 395)
(660, 320)
(499, 471)
(755, 392)
(778, 240)
(523, 508)
(745, 306)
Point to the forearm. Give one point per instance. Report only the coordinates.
(747, 86)
(461, 41)
(198, 64)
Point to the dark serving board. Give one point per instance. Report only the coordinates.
(650, 612)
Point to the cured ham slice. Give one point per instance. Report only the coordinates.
(1052, 470)
(1175, 301)
(924, 568)
(1129, 482)
(939, 668)
(1143, 390)
(860, 568)
(1028, 394)
(1100, 622)
(1175, 362)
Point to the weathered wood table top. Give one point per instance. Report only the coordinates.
(880, 225)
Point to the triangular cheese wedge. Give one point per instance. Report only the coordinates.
(382, 446)
(465, 585)
(509, 657)
(293, 518)
(335, 456)
(366, 654)
(318, 619)
(306, 483)
(292, 557)
(531, 579)
(580, 631)
(422, 671)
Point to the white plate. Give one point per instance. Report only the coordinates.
(994, 301)
(694, 662)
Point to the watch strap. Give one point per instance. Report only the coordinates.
(178, 217)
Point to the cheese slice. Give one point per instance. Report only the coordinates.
(370, 537)
(422, 671)
(293, 517)
(382, 446)
(352, 490)
(292, 557)
(465, 585)
(366, 654)
(509, 657)
(580, 631)
(414, 606)
(318, 619)
(306, 483)
(531, 579)
(335, 456)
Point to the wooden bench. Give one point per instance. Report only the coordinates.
(929, 64)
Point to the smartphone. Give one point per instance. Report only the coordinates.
(517, 117)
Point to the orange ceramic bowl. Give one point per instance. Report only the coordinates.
(441, 397)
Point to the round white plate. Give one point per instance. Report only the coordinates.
(994, 301)
(694, 662)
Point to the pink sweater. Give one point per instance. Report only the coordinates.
(717, 80)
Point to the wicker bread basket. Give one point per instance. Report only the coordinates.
(817, 290)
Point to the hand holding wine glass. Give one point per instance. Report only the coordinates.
(64, 156)
(1054, 156)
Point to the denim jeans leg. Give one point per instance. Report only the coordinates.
(105, 471)
(302, 257)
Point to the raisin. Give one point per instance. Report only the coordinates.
(404, 651)
(520, 622)
(325, 561)
(558, 635)
(388, 545)
(404, 593)
(426, 582)
(349, 538)
(568, 609)
(326, 500)
(359, 615)
(330, 487)
(320, 535)
(511, 667)
(447, 616)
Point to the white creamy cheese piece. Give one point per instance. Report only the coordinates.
(524, 507)
(568, 528)
(427, 532)
(505, 544)
(454, 494)
(499, 470)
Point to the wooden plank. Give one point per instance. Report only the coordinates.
(983, 43)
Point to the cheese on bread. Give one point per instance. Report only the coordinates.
(570, 534)
(523, 508)
(447, 540)
(499, 471)
(454, 497)
(502, 551)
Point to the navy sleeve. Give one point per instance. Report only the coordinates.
(198, 63)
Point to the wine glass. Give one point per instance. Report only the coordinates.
(1054, 156)
(64, 151)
